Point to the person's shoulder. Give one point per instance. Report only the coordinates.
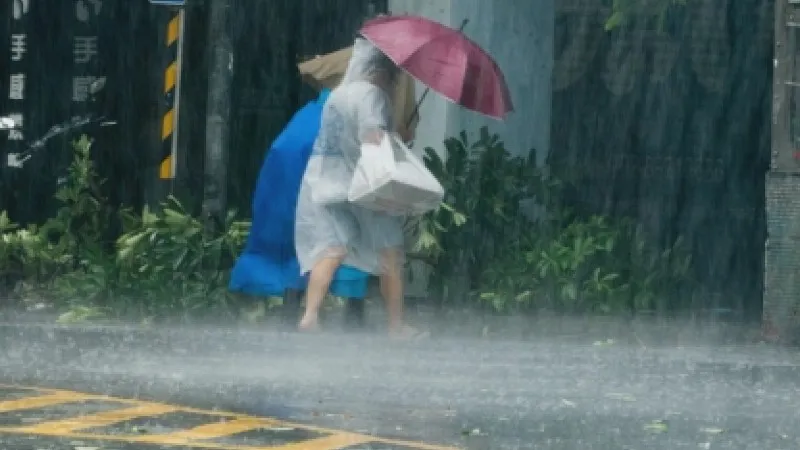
(367, 86)
(346, 92)
(370, 93)
(356, 86)
(358, 92)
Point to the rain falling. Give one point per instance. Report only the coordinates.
(399, 224)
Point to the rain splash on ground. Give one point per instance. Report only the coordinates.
(566, 392)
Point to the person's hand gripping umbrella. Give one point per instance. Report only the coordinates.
(444, 59)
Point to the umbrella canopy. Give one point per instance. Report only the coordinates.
(327, 71)
(444, 59)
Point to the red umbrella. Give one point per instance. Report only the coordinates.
(444, 59)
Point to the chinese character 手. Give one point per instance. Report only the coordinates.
(85, 49)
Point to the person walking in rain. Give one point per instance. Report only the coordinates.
(329, 231)
(268, 265)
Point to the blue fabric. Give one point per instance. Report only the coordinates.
(268, 266)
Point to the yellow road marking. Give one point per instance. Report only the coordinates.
(197, 437)
(221, 429)
(103, 419)
(40, 401)
(161, 440)
(335, 441)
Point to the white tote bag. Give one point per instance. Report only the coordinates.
(391, 179)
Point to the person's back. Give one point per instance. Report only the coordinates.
(338, 145)
(268, 266)
(329, 230)
(275, 196)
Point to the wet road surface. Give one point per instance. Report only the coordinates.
(245, 390)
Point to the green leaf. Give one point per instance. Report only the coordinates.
(570, 291)
(499, 304)
(657, 426)
(615, 20)
(523, 296)
(611, 277)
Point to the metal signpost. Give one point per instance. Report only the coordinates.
(172, 87)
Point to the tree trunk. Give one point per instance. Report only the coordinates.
(218, 113)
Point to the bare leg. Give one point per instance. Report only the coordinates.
(318, 282)
(392, 287)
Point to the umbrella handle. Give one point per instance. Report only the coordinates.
(415, 112)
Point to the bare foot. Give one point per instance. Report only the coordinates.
(408, 333)
(308, 324)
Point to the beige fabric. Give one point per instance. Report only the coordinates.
(326, 72)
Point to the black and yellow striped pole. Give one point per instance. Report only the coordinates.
(172, 83)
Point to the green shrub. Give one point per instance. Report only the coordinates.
(484, 247)
(164, 265)
(589, 266)
(551, 257)
(172, 263)
(483, 188)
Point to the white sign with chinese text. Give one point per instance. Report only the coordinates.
(16, 86)
(21, 8)
(85, 10)
(84, 49)
(80, 87)
(18, 46)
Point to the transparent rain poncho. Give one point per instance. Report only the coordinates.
(326, 224)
